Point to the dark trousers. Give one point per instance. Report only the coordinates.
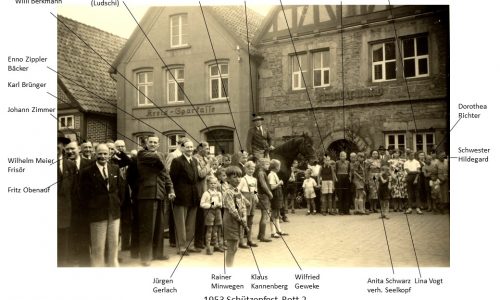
(80, 241)
(134, 232)
(126, 222)
(63, 256)
(199, 230)
(412, 190)
(171, 226)
(150, 221)
(343, 189)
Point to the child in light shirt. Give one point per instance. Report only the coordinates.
(309, 194)
(211, 202)
(248, 188)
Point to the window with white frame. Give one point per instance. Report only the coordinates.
(219, 82)
(416, 57)
(175, 85)
(66, 122)
(145, 87)
(383, 61)
(172, 140)
(395, 141)
(424, 141)
(321, 68)
(178, 30)
(298, 63)
(142, 139)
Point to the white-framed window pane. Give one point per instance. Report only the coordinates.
(317, 77)
(171, 91)
(215, 88)
(172, 141)
(321, 68)
(317, 60)
(224, 69)
(395, 141)
(214, 71)
(326, 59)
(416, 57)
(408, 48)
(142, 77)
(378, 72)
(378, 53)
(424, 141)
(390, 70)
(180, 94)
(390, 51)
(225, 87)
(423, 64)
(178, 30)
(175, 81)
(145, 87)
(422, 46)
(298, 64)
(384, 61)
(179, 74)
(219, 83)
(409, 67)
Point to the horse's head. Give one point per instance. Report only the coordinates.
(306, 148)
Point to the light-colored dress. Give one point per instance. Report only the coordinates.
(372, 167)
(398, 178)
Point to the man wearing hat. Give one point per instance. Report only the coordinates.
(66, 194)
(259, 141)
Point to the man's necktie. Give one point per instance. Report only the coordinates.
(105, 176)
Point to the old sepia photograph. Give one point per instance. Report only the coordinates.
(233, 136)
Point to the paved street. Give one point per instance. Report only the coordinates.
(337, 241)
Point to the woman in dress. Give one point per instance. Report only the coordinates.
(372, 167)
(398, 174)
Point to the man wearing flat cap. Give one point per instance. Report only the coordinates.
(259, 141)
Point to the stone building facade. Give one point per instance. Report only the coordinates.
(361, 56)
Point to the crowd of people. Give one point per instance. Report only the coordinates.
(375, 184)
(111, 200)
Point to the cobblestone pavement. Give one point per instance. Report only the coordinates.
(336, 241)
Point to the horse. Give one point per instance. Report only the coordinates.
(287, 152)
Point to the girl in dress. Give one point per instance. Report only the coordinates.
(398, 183)
(309, 194)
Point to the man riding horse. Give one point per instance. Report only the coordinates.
(259, 141)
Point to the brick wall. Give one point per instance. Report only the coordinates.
(101, 128)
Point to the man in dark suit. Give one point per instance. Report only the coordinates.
(101, 188)
(66, 195)
(150, 185)
(185, 177)
(80, 233)
(259, 141)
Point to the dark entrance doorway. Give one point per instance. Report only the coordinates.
(341, 145)
(222, 140)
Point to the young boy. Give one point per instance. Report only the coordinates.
(235, 213)
(248, 187)
(211, 202)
